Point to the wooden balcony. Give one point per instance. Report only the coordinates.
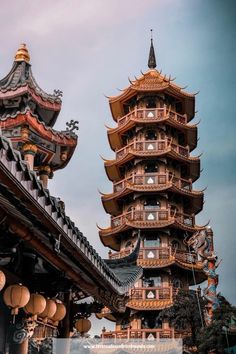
(147, 219)
(157, 115)
(152, 115)
(144, 334)
(152, 147)
(151, 298)
(152, 182)
(159, 257)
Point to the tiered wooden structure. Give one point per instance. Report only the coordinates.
(153, 196)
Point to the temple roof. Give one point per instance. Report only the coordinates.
(39, 199)
(152, 81)
(19, 90)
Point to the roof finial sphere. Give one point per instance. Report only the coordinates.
(22, 54)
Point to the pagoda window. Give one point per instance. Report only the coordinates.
(150, 135)
(152, 241)
(151, 322)
(125, 324)
(151, 167)
(151, 103)
(151, 203)
(179, 107)
(152, 282)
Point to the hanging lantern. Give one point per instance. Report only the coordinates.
(60, 312)
(15, 297)
(2, 280)
(49, 310)
(36, 305)
(83, 325)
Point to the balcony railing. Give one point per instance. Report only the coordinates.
(153, 114)
(158, 333)
(142, 215)
(158, 253)
(153, 179)
(152, 293)
(155, 146)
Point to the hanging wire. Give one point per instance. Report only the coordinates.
(195, 283)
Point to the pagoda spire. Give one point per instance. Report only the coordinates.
(22, 54)
(152, 58)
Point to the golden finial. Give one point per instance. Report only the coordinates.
(22, 54)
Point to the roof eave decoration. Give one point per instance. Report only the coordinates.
(20, 81)
(151, 81)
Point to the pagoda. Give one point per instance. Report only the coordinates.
(154, 200)
(27, 117)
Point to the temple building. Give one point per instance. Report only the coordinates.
(154, 200)
(47, 265)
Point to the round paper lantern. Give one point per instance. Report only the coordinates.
(83, 325)
(36, 305)
(60, 312)
(15, 297)
(49, 310)
(2, 280)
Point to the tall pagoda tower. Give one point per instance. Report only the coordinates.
(154, 200)
(27, 118)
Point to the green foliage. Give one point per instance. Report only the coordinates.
(185, 315)
(214, 335)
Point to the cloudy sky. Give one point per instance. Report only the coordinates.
(89, 48)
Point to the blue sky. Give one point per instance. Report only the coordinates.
(90, 48)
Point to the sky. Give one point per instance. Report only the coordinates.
(89, 48)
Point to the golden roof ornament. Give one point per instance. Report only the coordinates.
(22, 54)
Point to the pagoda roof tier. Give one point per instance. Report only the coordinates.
(152, 82)
(47, 139)
(151, 183)
(19, 90)
(145, 219)
(152, 148)
(150, 117)
(38, 219)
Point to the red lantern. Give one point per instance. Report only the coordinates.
(49, 310)
(15, 297)
(60, 312)
(36, 305)
(83, 325)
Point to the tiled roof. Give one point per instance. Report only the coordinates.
(10, 160)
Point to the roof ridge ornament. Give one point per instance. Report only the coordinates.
(152, 58)
(22, 54)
